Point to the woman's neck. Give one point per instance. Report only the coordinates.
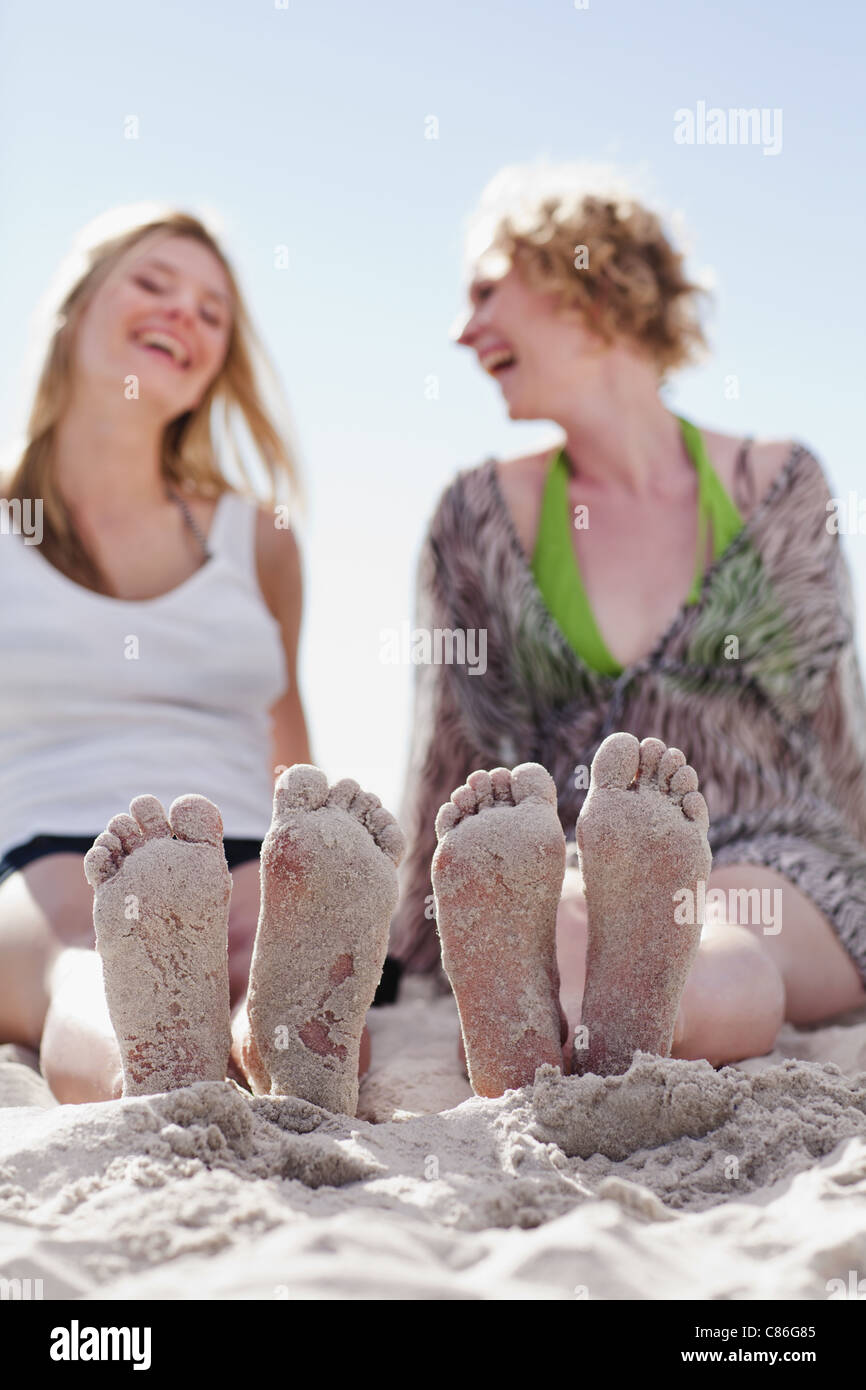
(623, 438)
(108, 455)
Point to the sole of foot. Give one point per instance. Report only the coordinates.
(642, 838)
(160, 908)
(497, 875)
(329, 889)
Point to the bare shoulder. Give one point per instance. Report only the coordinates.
(521, 481)
(766, 459)
(278, 560)
(276, 540)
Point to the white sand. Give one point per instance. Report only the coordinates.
(207, 1193)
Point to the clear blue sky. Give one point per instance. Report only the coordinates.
(305, 125)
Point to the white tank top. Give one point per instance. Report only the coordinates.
(102, 699)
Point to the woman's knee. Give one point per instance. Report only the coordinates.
(80, 1058)
(80, 1069)
(26, 958)
(43, 909)
(733, 1004)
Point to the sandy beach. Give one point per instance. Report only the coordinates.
(674, 1181)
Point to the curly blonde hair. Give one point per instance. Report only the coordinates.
(578, 231)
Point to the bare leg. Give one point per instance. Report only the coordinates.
(44, 909)
(80, 1058)
(747, 980)
(51, 993)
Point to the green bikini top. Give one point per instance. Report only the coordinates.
(557, 572)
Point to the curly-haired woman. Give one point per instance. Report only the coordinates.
(645, 588)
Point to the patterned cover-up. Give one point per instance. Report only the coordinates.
(776, 733)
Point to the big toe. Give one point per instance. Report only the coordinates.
(301, 787)
(616, 761)
(532, 781)
(196, 819)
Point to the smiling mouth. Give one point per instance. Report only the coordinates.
(164, 345)
(498, 362)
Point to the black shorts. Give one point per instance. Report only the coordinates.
(237, 851)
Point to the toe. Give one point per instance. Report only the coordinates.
(343, 793)
(466, 800)
(616, 762)
(482, 787)
(301, 787)
(379, 819)
(685, 779)
(695, 808)
(196, 819)
(651, 752)
(500, 781)
(670, 763)
(110, 842)
(99, 865)
(446, 819)
(363, 805)
(532, 781)
(387, 834)
(127, 831)
(152, 820)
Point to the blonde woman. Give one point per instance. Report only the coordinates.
(149, 646)
(654, 595)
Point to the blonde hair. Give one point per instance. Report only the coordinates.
(577, 230)
(190, 452)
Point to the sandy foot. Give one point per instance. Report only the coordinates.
(497, 876)
(641, 836)
(329, 889)
(161, 915)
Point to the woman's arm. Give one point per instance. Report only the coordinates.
(819, 578)
(839, 722)
(281, 581)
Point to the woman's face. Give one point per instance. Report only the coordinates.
(163, 316)
(538, 354)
